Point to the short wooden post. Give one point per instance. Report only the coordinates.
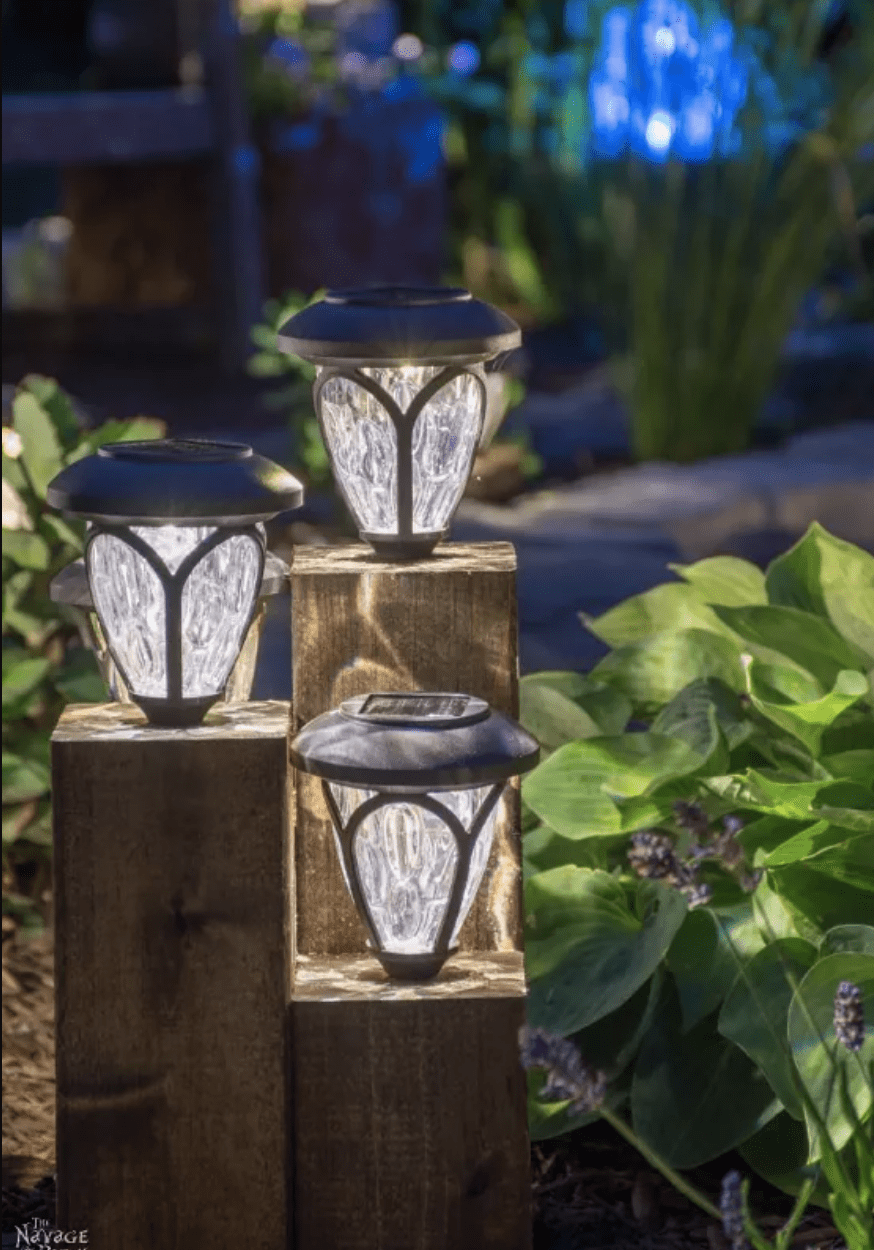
(172, 950)
(409, 1108)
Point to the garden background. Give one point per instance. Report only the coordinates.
(676, 202)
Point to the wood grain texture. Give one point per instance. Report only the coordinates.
(409, 1107)
(172, 892)
(360, 624)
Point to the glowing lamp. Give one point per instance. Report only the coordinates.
(400, 395)
(412, 783)
(175, 560)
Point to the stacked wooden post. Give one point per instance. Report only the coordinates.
(171, 886)
(233, 1068)
(408, 1101)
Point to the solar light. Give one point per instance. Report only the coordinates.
(412, 783)
(175, 557)
(400, 394)
(70, 587)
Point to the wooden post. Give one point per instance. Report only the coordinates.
(172, 891)
(409, 1107)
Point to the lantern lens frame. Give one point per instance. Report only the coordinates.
(173, 710)
(406, 543)
(407, 747)
(181, 483)
(384, 326)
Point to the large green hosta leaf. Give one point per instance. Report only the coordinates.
(808, 640)
(670, 607)
(806, 720)
(724, 581)
(706, 956)
(650, 673)
(825, 575)
(809, 844)
(754, 1014)
(573, 789)
(586, 952)
(695, 1095)
(779, 1151)
(561, 707)
(829, 891)
(819, 1055)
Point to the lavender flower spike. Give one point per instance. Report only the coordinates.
(732, 1208)
(849, 1016)
(567, 1075)
(652, 855)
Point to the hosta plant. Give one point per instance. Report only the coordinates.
(44, 661)
(699, 865)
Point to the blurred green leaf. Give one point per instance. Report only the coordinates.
(25, 549)
(23, 779)
(595, 952)
(724, 581)
(41, 452)
(719, 1100)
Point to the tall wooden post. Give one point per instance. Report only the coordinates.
(172, 896)
(408, 1102)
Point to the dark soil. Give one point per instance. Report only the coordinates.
(590, 1190)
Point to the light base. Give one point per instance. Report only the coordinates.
(413, 967)
(179, 714)
(393, 547)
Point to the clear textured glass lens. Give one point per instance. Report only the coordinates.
(129, 600)
(406, 858)
(216, 606)
(217, 601)
(362, 442)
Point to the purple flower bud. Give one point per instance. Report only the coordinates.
(731, 1208)
(568, 1077)
(849, 1016)
(693, 817)
(652, 855)
(697, 895)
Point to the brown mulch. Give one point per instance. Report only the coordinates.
(28, 1078)
(590, 1191)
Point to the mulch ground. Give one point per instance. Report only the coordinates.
(591, 1191)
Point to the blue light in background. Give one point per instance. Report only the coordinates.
(464, 58)
(661, 86)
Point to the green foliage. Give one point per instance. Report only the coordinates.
(752, 700)
(45, 663)
(696, 271)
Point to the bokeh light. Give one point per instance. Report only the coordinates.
(464, 58)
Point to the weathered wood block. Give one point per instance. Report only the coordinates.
(409, 1105)
(360, 624)
(172, 895)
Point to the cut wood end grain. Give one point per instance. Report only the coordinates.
(345, 978)
(447, 558)
(82, 722)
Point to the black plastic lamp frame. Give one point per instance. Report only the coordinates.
(174, 709)
(70, 587)
(180, 483)
(407, 544)
(408, 748)
(380, 327)
(412, 967)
